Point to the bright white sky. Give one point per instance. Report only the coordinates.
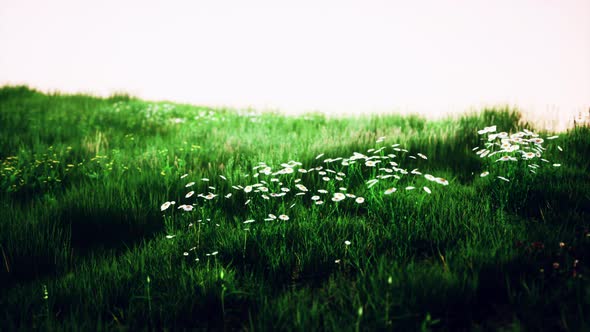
(333, 56)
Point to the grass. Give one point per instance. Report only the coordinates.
(85, 245)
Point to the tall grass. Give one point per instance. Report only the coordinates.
(83, 179)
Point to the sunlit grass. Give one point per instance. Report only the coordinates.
(122, 213)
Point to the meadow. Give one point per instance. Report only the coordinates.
(124, 214)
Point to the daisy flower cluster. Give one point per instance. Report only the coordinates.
(502, 147)
(378, 173)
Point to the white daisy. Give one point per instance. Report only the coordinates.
(442, 181)
(338, 197)
(371, 163)
(301, 187)
(287, 170)
(186, 207)
(506, 158)
(210, 196)
(528, 155)
(390, 191)
(165, 206)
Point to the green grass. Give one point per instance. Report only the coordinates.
(82, 180)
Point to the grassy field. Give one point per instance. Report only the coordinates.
(117, 215)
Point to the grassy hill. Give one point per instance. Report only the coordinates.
(117, 214)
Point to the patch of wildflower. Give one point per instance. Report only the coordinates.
(378, 173)
(523, 149)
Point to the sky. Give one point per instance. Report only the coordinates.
(429, 56)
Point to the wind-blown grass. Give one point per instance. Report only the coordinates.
(83, 181)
